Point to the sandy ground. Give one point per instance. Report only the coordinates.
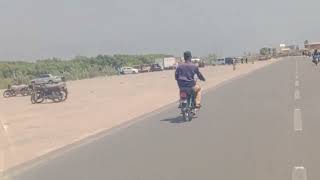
(31, 130)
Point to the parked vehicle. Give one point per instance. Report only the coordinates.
(155, 67)
(46, 78)
(143, 68)
(129, 70)
(55, 92)
(220, 61)
(167, 63)
(187, 103)
(229, 60)
(15, 90)
(200, 63)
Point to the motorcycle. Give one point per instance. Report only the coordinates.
(12, 91)
(54, 92)
(187, 103)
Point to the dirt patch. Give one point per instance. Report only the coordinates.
(28, 130)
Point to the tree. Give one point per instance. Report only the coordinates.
(79, 67)
(211, 58)
(265, 51)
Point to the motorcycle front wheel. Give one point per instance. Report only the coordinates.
(64, 93)
(37, 97)
(62, 96)
(33, 101)
(24, 93)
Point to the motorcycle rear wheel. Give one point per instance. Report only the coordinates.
(7, 93)
(187, 115)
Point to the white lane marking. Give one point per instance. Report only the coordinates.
(297, 83)
(297, 94)
(297, 120)
(299, 173)
(297, 77)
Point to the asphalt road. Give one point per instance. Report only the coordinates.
(263, 126)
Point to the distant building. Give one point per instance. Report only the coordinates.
(293, 47)
(287, 49)
(284, 47)
(312, 46)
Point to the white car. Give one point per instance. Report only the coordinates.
(46, 78)
(129, 70)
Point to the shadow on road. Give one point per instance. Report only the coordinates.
(178, 119)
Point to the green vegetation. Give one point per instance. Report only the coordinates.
(265, 51)
(79, 67)
(210, 59)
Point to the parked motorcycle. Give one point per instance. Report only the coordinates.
(187, 104)
(15, 90)
(55, 92)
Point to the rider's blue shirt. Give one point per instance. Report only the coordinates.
(185, 73)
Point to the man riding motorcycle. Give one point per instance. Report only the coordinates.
(184, 75)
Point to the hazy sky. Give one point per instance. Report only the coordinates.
(64, 28)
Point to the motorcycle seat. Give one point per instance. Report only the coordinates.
(18, 87)
(53, 86)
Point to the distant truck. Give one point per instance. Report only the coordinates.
(167, 63)
(47, 79)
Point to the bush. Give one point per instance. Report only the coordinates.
(79, 67)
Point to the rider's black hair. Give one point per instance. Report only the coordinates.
(187, 56)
